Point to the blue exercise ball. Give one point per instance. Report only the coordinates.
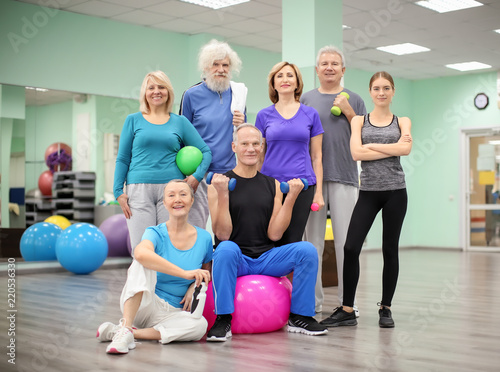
(81, 248)
(38, 242)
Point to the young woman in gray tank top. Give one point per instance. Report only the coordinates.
(377, 140)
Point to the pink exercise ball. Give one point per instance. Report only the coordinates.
(45, 183)
(58, 157)
(57, 147)
(261, 304)
(115, 230)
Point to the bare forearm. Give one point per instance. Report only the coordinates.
(150, 260)
(279, 224)
(391, 149)
(222, 224)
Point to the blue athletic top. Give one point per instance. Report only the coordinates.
(172, 288)
(147, 151)
(210, 113)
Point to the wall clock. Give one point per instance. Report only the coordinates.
(481, 101)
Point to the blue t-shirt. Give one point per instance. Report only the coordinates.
(287, 142)
(147, 151)
(172, 288)
(210, 113)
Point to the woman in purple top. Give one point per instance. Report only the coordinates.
(293, 137)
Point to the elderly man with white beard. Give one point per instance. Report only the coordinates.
(215, 106)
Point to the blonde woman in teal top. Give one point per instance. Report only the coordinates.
(145, 163)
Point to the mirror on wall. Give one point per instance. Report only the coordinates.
(81, 131)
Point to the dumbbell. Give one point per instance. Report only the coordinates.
(230, 186)
(335, 110)
(285, 187)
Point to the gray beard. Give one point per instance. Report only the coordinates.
(217, 85)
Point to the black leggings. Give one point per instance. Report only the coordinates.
(300, 214)
(393, 205)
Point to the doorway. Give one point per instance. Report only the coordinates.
(481, 182)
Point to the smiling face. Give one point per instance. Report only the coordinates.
(285, 80)
(330, 69)
(247, 145)
(177, 198)
(156, 94)
(381, 91)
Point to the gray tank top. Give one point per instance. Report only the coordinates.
(382, 174)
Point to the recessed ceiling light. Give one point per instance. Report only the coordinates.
(468, 66)
(406, 48)
(443, 6)
(38, 89)
(215, 4)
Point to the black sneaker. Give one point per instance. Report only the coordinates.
(221, 330)
(306, 325)
(340, 317)
(385, 320)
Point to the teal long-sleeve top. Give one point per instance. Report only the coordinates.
(146, 153)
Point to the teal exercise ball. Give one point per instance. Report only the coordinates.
(81, 248)
(38, 242)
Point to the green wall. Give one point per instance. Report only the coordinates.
(106, 58)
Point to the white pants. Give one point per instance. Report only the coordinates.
(173, 323)
(341, 199)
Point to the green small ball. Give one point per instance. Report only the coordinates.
(336, 111)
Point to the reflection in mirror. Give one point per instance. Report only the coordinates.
(89, 125)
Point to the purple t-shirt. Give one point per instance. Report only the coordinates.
(288, 142)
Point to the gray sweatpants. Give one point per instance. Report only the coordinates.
(341, 199)
(146, 204)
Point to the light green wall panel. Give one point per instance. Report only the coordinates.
(90, 55)
(442, 108)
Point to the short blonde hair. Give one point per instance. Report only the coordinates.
(160, 78)
(273, 94)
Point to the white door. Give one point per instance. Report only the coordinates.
(481, 182)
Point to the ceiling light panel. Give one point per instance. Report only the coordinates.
(468, 66)
(406, 48)
(443, 6)
(215, 4)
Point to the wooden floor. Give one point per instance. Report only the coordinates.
(445, 309)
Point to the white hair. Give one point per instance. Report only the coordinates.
(246, 125)
(332, 50)
(216, 50)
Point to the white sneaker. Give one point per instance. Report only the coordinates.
(107, 331)
(123, 341)
(198, 300)
(356, 311)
